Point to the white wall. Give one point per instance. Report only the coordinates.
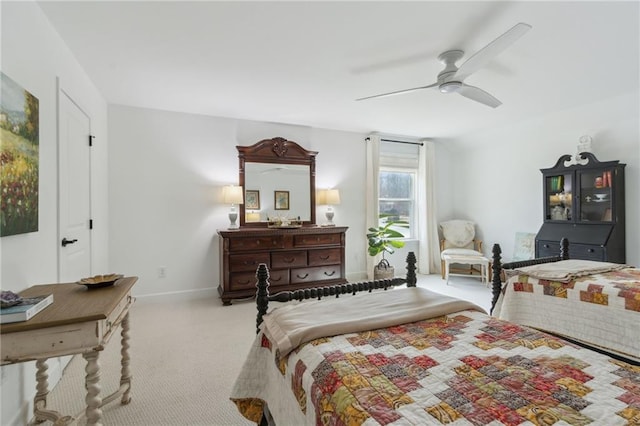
(34, 56)
(166, 177)
(497, 178)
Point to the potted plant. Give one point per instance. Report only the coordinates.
(384, 239)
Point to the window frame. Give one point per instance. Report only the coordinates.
(413, 172)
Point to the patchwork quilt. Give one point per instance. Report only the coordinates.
(601, 309)
(463, 368)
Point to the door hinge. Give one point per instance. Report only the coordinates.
(91, 140)
(90, 223)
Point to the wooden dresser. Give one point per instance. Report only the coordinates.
(297, 258)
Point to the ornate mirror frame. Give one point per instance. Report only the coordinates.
(278, 151)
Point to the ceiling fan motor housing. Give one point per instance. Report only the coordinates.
(450, 87)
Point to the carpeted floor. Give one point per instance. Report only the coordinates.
(185, 356)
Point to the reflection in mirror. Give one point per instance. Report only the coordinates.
(277, 168)
(266, 179)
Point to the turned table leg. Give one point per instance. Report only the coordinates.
(92, 379)
(125, 373)
(40, 411)
(42, 390)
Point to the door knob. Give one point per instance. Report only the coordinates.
(65, 241)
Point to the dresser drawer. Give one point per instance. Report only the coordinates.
(256, 243)
(325, 257)
(313, 240)
(242, 280)
(278, 278)
(587, 252)
(248, 280)
(247, 262)
(576, 251)
(318, 273)
(289, 259)
(547, 248)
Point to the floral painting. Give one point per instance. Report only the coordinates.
(252, 200)
(281, 200)
(19, 158)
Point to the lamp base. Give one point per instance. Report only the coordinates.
(233, 217)
(329, 215)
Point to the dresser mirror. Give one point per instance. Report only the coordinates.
(278, 181)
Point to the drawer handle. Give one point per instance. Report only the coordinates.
(330, 274)
(249, 262)
(302, 277)
(324, 257)
(276, 279)
(289, 260)
(244, 282)
(546, 245)
(257, 242)
(590, 250)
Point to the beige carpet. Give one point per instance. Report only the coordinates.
(185, 356)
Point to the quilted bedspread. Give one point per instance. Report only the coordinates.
(464, 368)
(600, 309)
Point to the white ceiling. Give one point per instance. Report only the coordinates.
(305, 63)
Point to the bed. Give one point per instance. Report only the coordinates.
(454, 365)
(596, 303)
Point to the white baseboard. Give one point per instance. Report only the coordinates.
(178, 295)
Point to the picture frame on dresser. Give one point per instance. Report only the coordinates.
(252, 199)
(281, 200)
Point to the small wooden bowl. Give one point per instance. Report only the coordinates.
(100, 281)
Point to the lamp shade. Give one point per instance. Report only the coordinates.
(321, 197)
(232, 194)
(333, 197)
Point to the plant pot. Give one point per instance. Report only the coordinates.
(383, 271)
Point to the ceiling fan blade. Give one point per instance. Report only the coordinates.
(398, 92)
(490, 51)
(478, 95)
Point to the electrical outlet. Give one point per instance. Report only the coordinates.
(162, 271)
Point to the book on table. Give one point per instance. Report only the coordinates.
(26, 309)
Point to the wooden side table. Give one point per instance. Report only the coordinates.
(79, 321)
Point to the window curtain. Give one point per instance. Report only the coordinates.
(429, 255)
(372, 180)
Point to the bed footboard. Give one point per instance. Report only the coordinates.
(497, 267)
(263, 297)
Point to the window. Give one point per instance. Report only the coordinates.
(397, 190)
(396, 199)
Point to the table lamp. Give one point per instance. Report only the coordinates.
(232, 194)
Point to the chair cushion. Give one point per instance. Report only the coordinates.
(460, 252)
(460, 233)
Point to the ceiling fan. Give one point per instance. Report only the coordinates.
(451, 78)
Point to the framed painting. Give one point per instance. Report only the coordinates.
(281, 200)
(252, 200)
(19, 158)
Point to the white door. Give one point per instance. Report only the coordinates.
(74, 191)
